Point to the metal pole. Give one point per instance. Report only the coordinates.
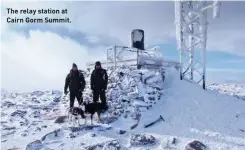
(203, 31)
(204, 50)
(179, 33)
(191, 41)
(181, 12)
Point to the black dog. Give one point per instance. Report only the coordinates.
(92, 108)
(74, 112)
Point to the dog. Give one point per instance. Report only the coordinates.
(91, 109)
(74, 112)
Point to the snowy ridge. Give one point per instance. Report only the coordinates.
(3, 91)
(136, 98)
(236, 90)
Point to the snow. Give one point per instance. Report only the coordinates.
(4, 91)
(134, 96)
(236, 90)
(150, 58)
(178, 22)
(138, 35)
(186, 106)
(216, 9)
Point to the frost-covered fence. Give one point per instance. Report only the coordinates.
(118, 56)
(135, 56)
(133, 62)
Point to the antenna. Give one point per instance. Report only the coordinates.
(191, 35)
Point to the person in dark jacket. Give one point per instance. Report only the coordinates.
(98, 81)
(76, 83)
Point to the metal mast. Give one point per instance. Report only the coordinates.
(191, 34)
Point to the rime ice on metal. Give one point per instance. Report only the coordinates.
(191, 34)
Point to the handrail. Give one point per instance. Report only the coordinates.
(165, 63)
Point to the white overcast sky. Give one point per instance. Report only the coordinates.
(38, 56)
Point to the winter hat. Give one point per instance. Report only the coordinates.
(97, 63)
(74, 65)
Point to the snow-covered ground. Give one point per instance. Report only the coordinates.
(136, 98)
(236, 90)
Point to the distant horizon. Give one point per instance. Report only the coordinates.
(227, 82)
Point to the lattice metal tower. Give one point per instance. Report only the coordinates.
(191, 34)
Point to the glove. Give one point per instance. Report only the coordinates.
(66, 92)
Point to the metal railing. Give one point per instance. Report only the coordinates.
(150, 58)
(133, 62)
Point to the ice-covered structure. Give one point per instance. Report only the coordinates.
(191, 19)
(136, 55)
